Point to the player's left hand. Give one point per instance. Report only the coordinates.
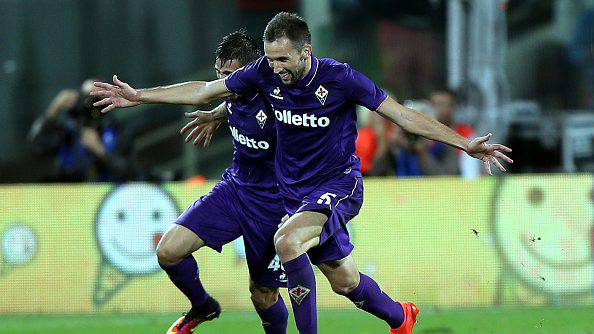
(202, 126)
(488, 153)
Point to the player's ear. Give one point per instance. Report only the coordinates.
(306, 53)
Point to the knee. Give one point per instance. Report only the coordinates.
(167, 255)
(286, 245)
(263, 297)
(345, 286)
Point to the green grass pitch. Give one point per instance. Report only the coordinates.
(471, 321)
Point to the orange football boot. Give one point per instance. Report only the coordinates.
(410, 318)
(189, 321)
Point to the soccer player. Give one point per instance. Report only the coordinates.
(319, 177)
(246, 202)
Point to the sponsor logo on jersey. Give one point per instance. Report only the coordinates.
(247, 141)
(322, 94)
(277, 94)
(261, 118)
(229, 108)
(299, 293)
(305, 120)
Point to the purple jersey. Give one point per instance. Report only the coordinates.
(252, 169)
(254, 140)
(315, 119)
(247, 201)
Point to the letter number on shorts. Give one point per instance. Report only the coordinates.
(275, 264)
(326, 198)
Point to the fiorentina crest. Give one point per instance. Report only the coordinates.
(321, 94)
(261, 118)
(299, 293)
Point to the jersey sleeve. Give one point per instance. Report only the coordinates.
(244, 80)
(361, 90)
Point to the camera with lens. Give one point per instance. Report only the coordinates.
(85, 113)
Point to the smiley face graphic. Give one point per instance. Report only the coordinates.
(544, 230)
(18, 246)
(129, 224)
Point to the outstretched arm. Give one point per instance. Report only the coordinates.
(122, 95)
(418, 123)
(423, 125)
(191, 92)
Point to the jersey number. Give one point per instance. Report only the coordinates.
(326, 198)
(275, 264)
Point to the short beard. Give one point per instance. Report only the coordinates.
(299, 72)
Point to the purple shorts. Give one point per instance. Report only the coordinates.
(340, 198)
(229, 211)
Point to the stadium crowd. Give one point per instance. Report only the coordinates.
(385, 149)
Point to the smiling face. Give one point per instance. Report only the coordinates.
(288, 62)
(544, 228)
(130, 224)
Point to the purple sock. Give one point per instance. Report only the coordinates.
(274, 318)
(301, 283)
(185, 277)
(369, 297)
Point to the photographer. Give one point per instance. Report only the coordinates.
(403, 148)
(414, 155)
(86, 144)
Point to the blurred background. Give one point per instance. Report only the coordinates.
(521, 69)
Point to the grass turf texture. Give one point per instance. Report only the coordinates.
(500, 321)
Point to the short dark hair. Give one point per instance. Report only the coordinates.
(289, 25)
(239, 46)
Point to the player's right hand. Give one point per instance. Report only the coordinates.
(118, 95)
(488, 153)
(203, 126)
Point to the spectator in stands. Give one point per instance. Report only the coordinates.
(378, 143)
(366, 148)
(367, 139)
(374, 145)
(408, 150)
(87, 144)
(436, 158)
(385, 149)
(416, 156)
